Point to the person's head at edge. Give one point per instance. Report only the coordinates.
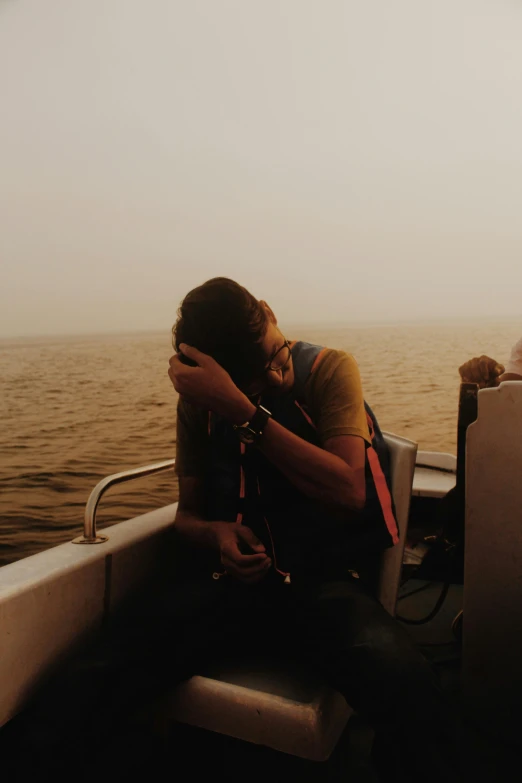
(224, 320)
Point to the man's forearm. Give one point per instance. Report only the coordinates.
(314, 471)
(195, 529)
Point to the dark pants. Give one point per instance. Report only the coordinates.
(336, 627)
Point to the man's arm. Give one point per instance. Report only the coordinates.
(190, 523)
(333, 474)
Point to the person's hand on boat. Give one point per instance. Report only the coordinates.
(482, 370)
(242, 554)
(207, 385)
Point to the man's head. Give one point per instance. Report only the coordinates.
(223, 319)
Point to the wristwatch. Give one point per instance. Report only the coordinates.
(251, 431)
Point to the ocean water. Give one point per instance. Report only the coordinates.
(75, 409)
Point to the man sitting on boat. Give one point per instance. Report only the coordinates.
(284, 509)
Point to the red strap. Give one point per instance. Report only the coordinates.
(239, 518)
(283, 573)
(305, 414)
(383, 493)
(318, 359)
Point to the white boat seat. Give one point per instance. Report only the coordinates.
(291, 711)
(266, 704)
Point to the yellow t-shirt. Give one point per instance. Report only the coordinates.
(332, 394)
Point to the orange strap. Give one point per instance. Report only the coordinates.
(305, 414)
(283, 573)
(239, 518)
(383, 493)
(317, 359)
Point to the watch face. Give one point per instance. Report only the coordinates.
(246, 435)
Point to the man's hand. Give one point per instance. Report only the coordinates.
(481, 370)
(231, 539)
(209, 386)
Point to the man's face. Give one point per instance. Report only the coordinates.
(278, 377)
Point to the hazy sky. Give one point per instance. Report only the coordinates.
(346, 160)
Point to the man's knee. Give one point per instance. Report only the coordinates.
(391, 656)
(362, 649)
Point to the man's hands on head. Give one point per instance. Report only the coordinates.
(209, 386)
(242, 553)
(482, 370)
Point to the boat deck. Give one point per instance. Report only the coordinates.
(224, 757)
(486, 758)
(204, 756)
(201, 755)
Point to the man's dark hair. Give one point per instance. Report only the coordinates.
(224, 320)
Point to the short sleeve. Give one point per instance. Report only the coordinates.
(191, 439)
(335, 397)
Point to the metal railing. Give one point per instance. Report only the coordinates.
(89, 526)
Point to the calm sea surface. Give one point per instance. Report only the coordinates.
(73, 410)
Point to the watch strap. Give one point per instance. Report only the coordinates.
(257, 423)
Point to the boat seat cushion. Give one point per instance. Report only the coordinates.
(267, 703)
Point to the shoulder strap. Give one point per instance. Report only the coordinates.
(305, 357)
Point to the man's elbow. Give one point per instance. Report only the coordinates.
(353, 498)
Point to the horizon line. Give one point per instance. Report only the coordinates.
(287, 324)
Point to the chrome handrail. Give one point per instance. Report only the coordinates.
(89, 526)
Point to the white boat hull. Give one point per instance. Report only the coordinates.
(50, 602)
